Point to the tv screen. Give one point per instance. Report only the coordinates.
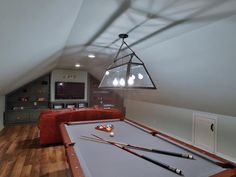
(69, 90)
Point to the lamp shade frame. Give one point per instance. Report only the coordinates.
(128, 74)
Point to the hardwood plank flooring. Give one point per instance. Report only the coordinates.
(22, 156)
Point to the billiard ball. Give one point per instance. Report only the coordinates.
(112, 134)
(109, 125)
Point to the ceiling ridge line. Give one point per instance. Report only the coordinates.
(72, 27)
(178, 22)
(123, 7)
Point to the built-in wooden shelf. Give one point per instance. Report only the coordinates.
(25, 104)
(103, 97)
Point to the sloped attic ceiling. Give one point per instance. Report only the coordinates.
(188, 46)
(32, 36)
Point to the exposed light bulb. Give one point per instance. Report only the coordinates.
(140, 76)
(122, 82)
(130, 81)
(61, 84)
(91, 56)
(107, 73)
(77, 65)
(133, 76)
(115, 82)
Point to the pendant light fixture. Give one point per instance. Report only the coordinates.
(127, 71)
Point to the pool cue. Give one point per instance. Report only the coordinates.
(149, 149)
(168, 167)
(221, 164)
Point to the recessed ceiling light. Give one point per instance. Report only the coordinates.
(77, 65)
(91, 56)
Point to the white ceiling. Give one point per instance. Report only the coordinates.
(188, 46)
(32, 36)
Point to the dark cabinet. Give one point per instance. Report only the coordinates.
(23, 116)
(16, 117)
(25, 104)
(66, 104)
(33, 115)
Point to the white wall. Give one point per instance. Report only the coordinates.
(195, 70)
(62, 75)
(177, 122)
(2, 109)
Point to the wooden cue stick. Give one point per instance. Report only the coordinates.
(149, 149)
(221, 164)
(168, 167)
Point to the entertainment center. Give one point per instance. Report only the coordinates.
(59, 89)
(69, 89)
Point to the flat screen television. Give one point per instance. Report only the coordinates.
(69, 90)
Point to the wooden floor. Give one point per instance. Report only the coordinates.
(22, 156)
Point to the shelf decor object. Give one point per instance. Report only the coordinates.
(127, 70)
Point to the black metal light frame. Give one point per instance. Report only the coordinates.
(129, 63)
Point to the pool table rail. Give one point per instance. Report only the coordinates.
(77, 171)
(72, 160)
(153, 132)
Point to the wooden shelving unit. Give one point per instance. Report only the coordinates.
(105, 98)
(69, 104)
(25, 104)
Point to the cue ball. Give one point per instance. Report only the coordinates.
(112, 134)
(178, 171)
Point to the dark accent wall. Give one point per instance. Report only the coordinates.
(106, 98)
(25, 104)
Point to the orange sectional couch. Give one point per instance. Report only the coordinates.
(49, 120)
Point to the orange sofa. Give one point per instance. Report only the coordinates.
(49, 120)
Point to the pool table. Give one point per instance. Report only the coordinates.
(88, 158)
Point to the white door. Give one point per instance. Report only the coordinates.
(204, 132)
